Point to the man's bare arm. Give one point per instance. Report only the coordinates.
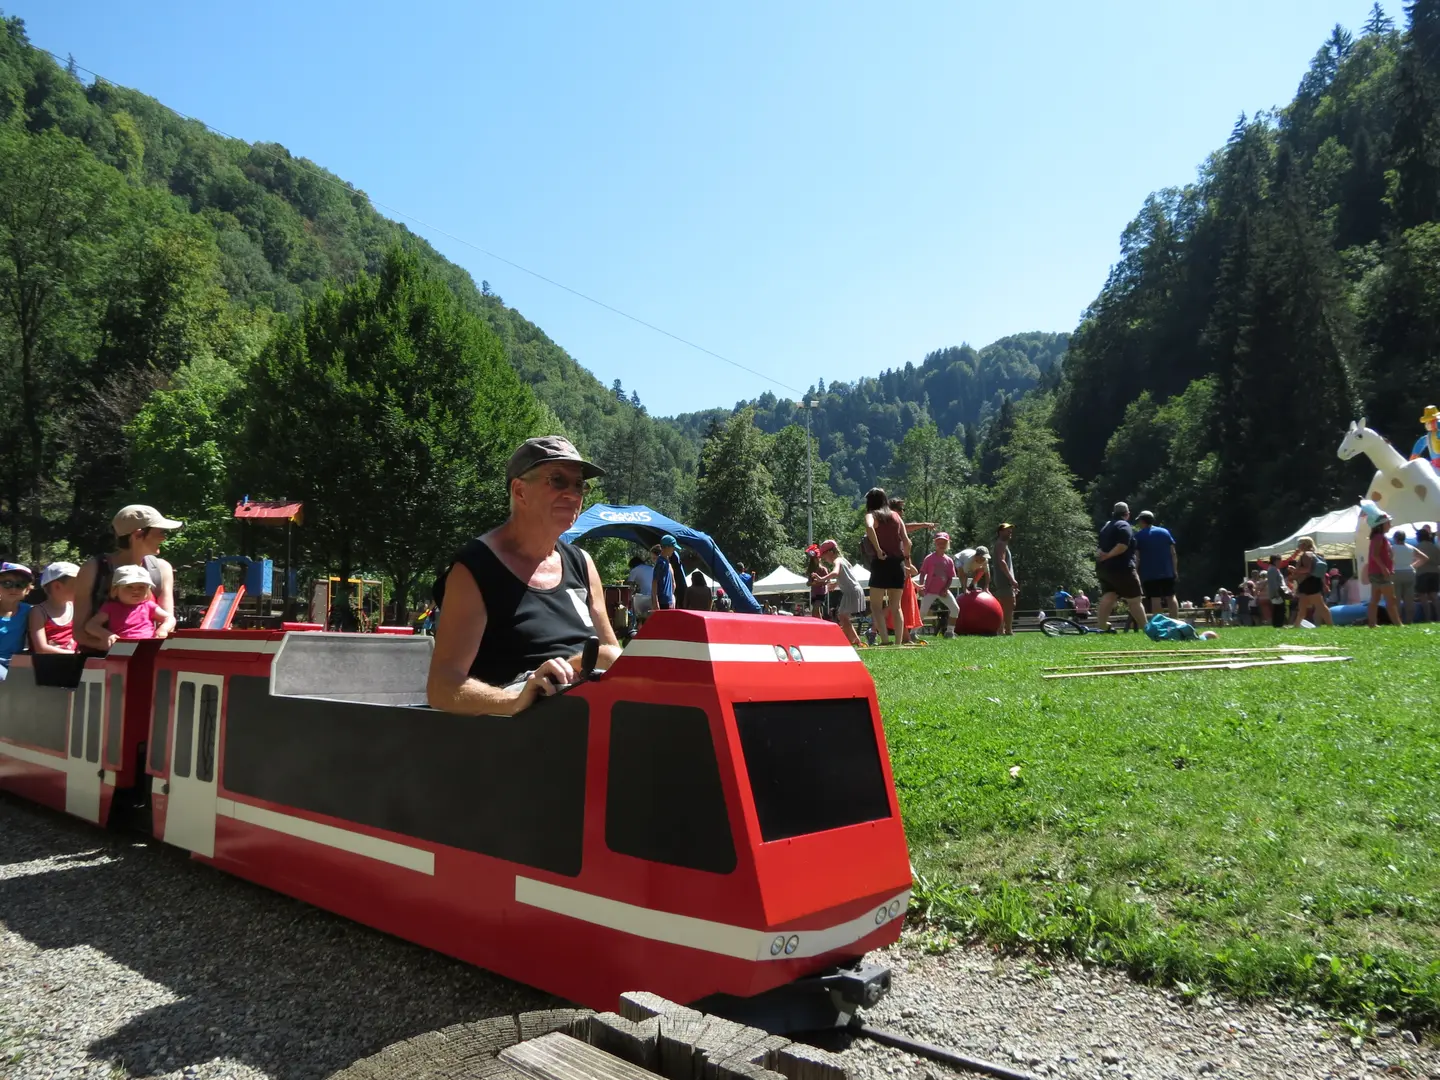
(458, 634)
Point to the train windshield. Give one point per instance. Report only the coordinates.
(814, 765)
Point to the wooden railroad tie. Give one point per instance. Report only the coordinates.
(649, 1038)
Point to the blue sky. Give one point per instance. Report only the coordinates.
(812, 190)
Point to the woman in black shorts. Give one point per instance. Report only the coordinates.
(885, 532)
(1310, 587)
(1427, 578)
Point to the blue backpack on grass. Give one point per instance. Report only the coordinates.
(1164, 628)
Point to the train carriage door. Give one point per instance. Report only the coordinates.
(83, 766)
(190, 811)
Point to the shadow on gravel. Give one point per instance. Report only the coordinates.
(262, 979)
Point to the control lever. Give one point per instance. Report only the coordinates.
(589, 657)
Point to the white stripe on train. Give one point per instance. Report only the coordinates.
(723, 939)
(723, 653)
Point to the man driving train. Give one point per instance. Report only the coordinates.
(520, 603)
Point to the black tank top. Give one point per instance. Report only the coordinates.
(524, 627)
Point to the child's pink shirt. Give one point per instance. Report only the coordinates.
(131, 622)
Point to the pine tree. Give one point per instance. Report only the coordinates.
(618, 391)
(1378, 24)
(1035, 492)
(735, 498)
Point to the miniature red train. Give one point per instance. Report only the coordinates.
(712, 819)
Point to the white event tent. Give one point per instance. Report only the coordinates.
(778, 581)
(1333, 533)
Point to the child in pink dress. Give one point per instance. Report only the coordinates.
(131, 613)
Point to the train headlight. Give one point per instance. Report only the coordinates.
(777, 945)
(882, 915)
(795, 652)
(780, 653)
(792, 944)
(894, 908)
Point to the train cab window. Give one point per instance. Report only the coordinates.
(209, 723)
(92, 723)
(115, 718)
(160, 723)
(813, 765)
(77, 722)
(664, 801)
(184, 727)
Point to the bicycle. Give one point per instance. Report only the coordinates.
(1058, 626)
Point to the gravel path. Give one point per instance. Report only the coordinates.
(120, 958)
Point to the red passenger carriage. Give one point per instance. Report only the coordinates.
(713, 818)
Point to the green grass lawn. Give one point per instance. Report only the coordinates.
(1264, 831)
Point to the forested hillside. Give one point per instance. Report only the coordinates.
(860, 425)
(1254, 313)
(179, 243)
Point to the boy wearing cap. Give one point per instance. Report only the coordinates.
(139, 532)
(520, 603)
(662, 582)
(52, 624)
(15, 582)
(936, 574)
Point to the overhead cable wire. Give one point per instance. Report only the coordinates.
(320, 174)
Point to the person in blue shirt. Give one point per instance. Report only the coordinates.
(662, 582)
(14, 613)
(1062, 600)
(1158, 566)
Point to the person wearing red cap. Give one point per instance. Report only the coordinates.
(852, 596)
(936, 574)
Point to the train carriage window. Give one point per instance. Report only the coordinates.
(92, 723)
(813, 765)
(512, 787)
(664, 801)
(184, 727)
(115, 718)
(160, 723)
(77, 722)
(209, 722)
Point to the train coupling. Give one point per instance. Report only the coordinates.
(814, 1003)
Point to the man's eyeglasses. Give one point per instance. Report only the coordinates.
(11, 586)
(561, 482)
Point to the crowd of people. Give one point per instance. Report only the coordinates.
(124, 595)
(1300, 586)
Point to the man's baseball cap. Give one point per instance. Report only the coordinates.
(545, 449)
(942, 536)
(57, 570)
(1004, 525)
(138, 516)
(1145, 515)
(828, 545)
(668, 541)
(130, 574)
(15, 568)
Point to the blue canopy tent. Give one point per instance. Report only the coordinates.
(643, 526)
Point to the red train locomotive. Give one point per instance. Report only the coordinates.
(713, 818)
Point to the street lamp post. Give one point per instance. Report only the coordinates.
(809, 405)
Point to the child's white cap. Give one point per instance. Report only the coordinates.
(57, 570)
(130, 574)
